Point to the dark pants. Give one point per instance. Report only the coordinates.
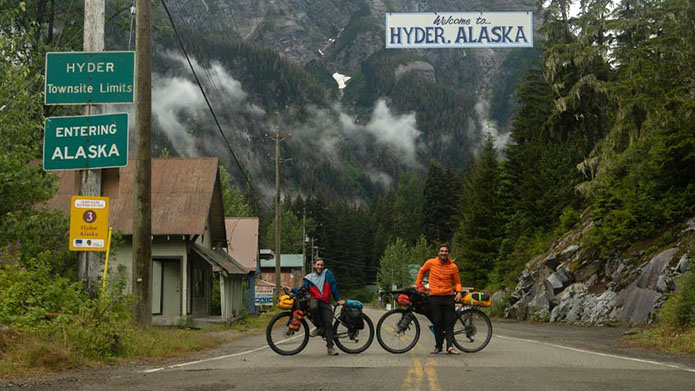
(442, 308)
(322, 316)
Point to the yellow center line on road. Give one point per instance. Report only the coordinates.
(415, 375)
(432, 374)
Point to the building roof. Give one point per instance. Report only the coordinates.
(185, 192)
(219, 258)
(242, 240)
(260, 282)
(286, 260)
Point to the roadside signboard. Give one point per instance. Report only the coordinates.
(89, 77)
(89, 223)
(264, 295)
(459, 30)
(85, 142)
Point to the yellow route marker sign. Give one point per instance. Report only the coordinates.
(89, 223)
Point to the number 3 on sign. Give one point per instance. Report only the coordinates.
(89, 216)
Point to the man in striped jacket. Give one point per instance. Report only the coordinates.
(443, 275)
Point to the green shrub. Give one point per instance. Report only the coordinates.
(50, 306)
(679, 309)
(497, 308)
(102, 330)
(569, 218)
(31, 297)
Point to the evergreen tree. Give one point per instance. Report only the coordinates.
(481, 230)
(290, 234)
(235, 204)
(408, 207)
(394, 265)
(440, 204)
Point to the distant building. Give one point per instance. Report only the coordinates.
(290, 268)
(242, 245)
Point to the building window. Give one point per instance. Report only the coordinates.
(198, 286)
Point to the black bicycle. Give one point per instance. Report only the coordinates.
(398, 330)
(287, 333)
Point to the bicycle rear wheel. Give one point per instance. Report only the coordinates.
(472, 330)
(353, 341)
(398, 331)
(284, 340)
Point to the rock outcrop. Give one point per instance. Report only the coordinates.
(568, 285)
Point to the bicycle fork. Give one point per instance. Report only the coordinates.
(404, 323)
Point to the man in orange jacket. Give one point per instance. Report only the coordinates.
(444, 275)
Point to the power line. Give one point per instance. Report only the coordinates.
(207, 101)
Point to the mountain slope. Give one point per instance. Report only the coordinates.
(401, 108)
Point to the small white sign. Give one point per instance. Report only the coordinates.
(264, 295)
(388, 306)
(459, 30)
(87, 243)
(89, 204)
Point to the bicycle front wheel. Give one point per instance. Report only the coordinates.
(398, 331)
(472, 330)
(353, 341)
(284, 340)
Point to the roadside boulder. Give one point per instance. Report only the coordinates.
(639, 298)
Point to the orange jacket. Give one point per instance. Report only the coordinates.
(442, 277)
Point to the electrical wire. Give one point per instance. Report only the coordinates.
(207, 101)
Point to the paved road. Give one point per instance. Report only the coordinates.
(520, 356)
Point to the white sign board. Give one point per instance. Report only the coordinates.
(459, 30)
(264, 295)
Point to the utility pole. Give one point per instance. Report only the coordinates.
(90, 180)
(142, 214)
(303, 241)
(278, 217)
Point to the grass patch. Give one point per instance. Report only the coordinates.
(166, 342)
(24, 353)
(666, 339)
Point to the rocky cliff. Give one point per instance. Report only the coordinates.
(569, 284)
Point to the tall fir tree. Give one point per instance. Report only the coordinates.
(440, 207)
(481, 229)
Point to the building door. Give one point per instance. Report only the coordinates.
(166, 287)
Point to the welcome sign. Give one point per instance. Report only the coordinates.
(459, 30)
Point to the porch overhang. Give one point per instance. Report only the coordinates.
(219, 260)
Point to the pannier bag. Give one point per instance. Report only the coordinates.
(352, 317)
(296, 321)
(477, 298)
(403, 300)
(285, 302)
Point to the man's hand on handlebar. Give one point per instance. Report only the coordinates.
(341, 302)
(457, 297)
(286, 289)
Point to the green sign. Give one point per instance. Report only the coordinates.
(89, 77)
(85, 142)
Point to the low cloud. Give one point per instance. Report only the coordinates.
(482, 109)
(326, 134)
